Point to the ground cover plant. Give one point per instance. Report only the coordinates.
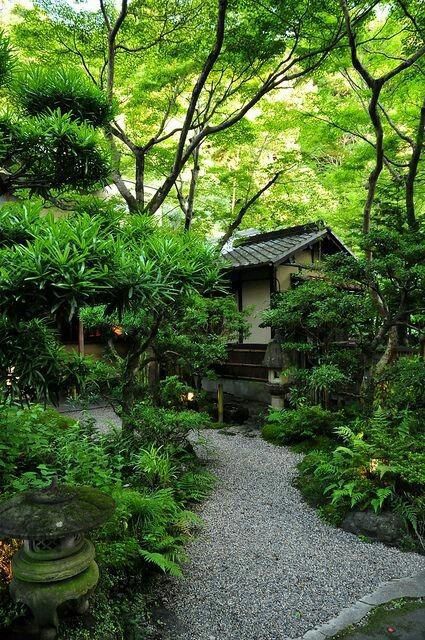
(153, 476)
(361, 461)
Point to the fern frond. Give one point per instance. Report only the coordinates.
(162, 562)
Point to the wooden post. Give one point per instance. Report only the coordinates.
(80, 338)
(220, 403)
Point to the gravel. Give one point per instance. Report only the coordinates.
(264, 566)
(104, 416)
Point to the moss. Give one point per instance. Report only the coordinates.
(324, 443)
(392, 614)
(218, 425)
(272, 432)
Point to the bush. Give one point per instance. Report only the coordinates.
(164, 427)
(151, 485)
(379, 465)
(172, 392)
(402, 385)
(290, 426)
(42, 90)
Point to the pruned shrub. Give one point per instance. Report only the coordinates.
(290, 426)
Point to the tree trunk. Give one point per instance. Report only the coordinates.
(153, 376)
(140, 179)
(131, 369)
(413, 170)
(192, 190)
(391, 352)
(367, 387)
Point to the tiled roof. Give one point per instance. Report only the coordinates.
(274, 247)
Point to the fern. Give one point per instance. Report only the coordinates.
(381, 495)
(162, 562)
(345, 433)
(382, 469)
(195, 486)
(407, 512)
(403, 429)
(379, 421)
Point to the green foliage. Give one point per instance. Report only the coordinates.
(151, 486)
(402, 385)
(378, 466)
(290, 426)
(31, 361)
(50, 143)
(5, 58)
(172, 392)
(18, 222)
(338, 325)
(40, 90)
(154, 465)
(151, 523)
(197, 333)
(164, 428)
(326, 377)
(195, 486)
(124, 270)
(61, 153)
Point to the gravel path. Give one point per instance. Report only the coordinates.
(104, 416)
(265, 567)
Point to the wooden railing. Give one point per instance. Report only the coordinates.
(244, 362)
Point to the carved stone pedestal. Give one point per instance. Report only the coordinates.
(50, 573)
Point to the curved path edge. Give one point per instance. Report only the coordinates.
(412, 587)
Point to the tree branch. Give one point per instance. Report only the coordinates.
(163, 191)
(237, 221)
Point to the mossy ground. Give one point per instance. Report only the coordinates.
(402, 619)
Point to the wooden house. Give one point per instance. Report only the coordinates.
(259, 266)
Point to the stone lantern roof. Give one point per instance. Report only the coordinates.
(55, 512)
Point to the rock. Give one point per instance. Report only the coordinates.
(234, 413)
(386, 527)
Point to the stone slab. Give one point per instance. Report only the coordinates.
(413, 587)
(313, 635)
(347, 617)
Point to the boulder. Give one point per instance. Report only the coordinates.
(386, 527)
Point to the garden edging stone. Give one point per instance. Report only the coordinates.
(412, 587)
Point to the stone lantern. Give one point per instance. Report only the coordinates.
(276, 359)
(56, 562)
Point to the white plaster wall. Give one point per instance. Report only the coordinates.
(256, 294)
(284, 271)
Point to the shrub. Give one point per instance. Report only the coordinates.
(164, 427)
(379, 465)
(151, 486)
(172, 392)
(289, 426)
(402, 385)
(42, 90)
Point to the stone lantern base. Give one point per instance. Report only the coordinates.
(44, 579)
(278, 393)
(44, 598)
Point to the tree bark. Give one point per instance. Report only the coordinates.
(391, 352)
(140, 179)
(413, 171)
(192, 190)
